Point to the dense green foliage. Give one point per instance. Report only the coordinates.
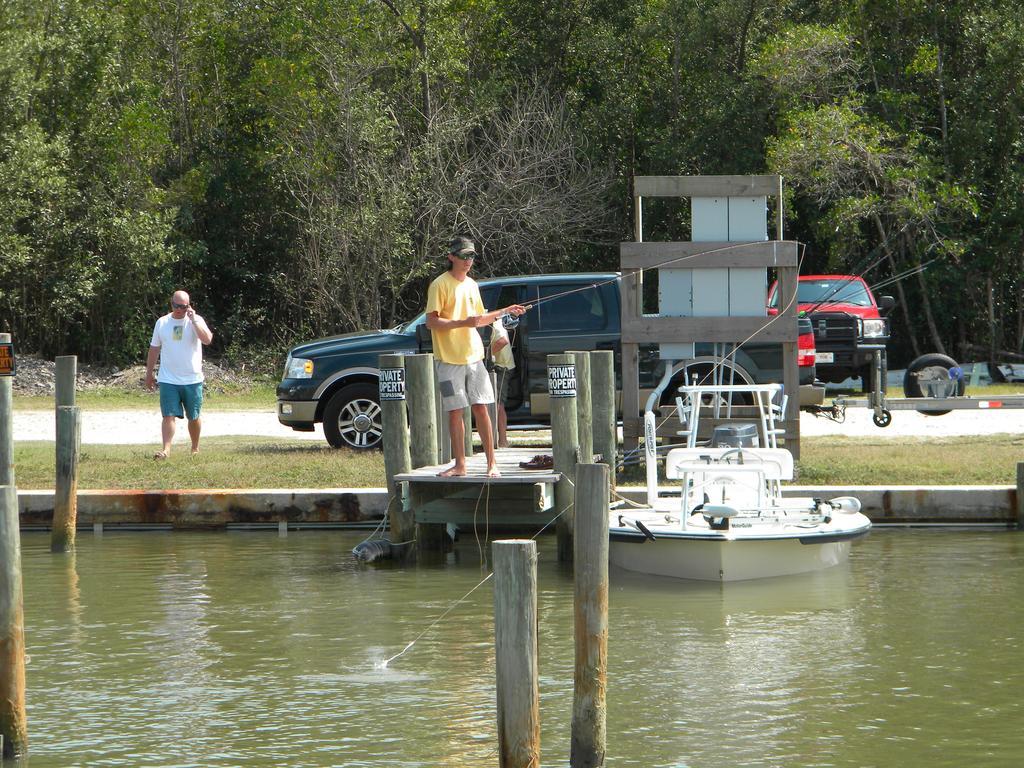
(298, 167)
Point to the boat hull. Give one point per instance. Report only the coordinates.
(720, 559)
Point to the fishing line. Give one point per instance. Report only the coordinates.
(384, 664)
(659, 265)
(857, 271)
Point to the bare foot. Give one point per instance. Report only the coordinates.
(195, 451)
(159, 456)
(453, 472)
(493, 472)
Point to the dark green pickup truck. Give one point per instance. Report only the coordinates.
(335, 380)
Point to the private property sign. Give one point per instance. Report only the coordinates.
(392, 383)
(6, 359)
(562, 381)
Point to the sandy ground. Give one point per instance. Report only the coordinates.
(141, 427)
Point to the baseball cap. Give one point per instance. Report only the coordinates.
(461, 246)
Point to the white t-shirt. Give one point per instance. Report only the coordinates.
(181, 352)
(503, 358)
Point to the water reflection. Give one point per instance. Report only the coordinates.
(252, 650)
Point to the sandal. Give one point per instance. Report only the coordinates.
(540, 461)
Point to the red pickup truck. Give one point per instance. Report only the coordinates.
(849, 324)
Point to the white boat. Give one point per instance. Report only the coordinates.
(729, 520)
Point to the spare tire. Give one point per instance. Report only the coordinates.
(911, 379)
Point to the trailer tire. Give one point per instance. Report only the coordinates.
(912, 387)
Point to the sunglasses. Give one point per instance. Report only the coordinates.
(465, 256)
(176, 305)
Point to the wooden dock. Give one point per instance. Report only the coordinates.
(520, 497)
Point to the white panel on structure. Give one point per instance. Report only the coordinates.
(675, 299)
(675, 292)
(680, 350)
(748, 292)
(710, 292)
(748, 219)
(709, 219)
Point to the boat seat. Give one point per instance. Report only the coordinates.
(776, 463)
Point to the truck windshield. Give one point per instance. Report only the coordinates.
(410, 327)
(832, 292)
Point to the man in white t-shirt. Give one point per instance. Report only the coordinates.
(504, 363)
(177, 342)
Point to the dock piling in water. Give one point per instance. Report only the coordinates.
(590, 603)
(562, 381)
(397, 458)
(584, 407)
(420, 388)
(602, 398)
(515, 648)
(13, 724)
(6, 424)
(64, 379)
(65, 496)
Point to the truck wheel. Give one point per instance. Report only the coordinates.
(911, 385)
(352, 418)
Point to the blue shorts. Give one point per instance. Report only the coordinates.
(181, 399)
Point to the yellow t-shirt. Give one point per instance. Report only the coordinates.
(454, 300)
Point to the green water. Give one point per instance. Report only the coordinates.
(245, 649)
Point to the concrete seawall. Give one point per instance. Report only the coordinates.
(340, 507)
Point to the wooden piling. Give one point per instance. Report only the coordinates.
(584, 407)
(590, 565)
(397, 458)
(1020, 495)
(6, 424)
(444, 441)
(419, 389)
(64, 379)
(65, 496)
(515, 647)
(602, 394)
(13, 724)
(564, 442)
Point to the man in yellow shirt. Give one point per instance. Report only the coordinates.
(454, 312)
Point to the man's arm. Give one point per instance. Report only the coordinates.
(151, 358)
(203, 332)
(437, 323)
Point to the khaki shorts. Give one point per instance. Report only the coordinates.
(504, 376)
(463, 385)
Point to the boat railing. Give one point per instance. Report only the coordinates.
(693, 399)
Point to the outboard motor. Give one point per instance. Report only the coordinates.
(734, 436)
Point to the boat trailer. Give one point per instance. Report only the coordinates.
(941, 400)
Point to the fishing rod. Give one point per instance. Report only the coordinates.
(724, 358)
(659, 265)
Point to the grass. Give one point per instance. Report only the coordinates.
(220, 397)
(256, 462)
(970, 460)
(995, 390)
(225, 462)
